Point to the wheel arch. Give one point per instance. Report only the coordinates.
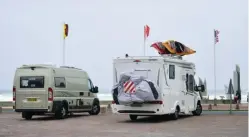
(65, 103)
(96, 100)
(177, 105)
(58, 103)
(198, 102)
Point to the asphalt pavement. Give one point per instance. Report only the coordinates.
(210, 124)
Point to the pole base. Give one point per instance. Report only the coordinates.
(215, 102)
(237, 107)
(209, 107)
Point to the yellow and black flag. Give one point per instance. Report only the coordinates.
(175, 47)
(65, 32)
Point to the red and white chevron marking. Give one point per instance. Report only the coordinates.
(129, 87)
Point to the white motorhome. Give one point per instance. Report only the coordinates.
(174, 78)
(46, 89)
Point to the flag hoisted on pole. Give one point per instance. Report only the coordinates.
(65, 34)
(146, 35)
(216, 40)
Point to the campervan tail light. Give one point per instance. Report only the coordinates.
(137, 60)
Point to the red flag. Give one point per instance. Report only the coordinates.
(146, 31)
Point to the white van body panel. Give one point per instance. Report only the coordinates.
(172, 91)
(76, 91)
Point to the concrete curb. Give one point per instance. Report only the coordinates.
(105, 108)
(226, 110)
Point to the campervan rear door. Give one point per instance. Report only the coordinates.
(31, 88)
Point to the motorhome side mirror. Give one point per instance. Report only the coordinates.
(95, 89)
(200, 88)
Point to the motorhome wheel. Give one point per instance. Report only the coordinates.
(61, 112)
(133, 117)
(175, 116)
(27, 115)
(95, 109)
(198, 110)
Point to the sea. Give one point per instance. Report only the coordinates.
(107, 96)
(6, 95)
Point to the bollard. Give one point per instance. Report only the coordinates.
(109, 107)
(237, 107)
(209, 107)
(103, 110)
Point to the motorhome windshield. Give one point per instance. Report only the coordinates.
(32, 82)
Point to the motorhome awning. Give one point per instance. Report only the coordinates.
(172, 47)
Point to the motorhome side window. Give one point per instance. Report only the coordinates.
(32, 82)
(171, 71)
(116, 75)
(158, 76)
(191, 83)
(60, 82)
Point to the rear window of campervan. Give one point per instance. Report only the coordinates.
(32, 82)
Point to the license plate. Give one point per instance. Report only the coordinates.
(136, 105)
(32, 99)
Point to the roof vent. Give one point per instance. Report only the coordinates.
(69, 67)
(39, 65)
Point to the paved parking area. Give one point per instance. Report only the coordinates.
(109, 125)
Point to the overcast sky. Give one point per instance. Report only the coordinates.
(99, 30)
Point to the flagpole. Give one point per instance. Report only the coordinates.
(64, 46)
(144, 44)
(230, 110)
(144, 40)
(215, 103)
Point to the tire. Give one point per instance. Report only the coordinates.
(175, 115)
(133, 117)
(61, 111)
(95, 109)
(198, 110)
(27, 115)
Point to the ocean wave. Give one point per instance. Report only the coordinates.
(5, 98)
(102, 97)
(108, 97)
